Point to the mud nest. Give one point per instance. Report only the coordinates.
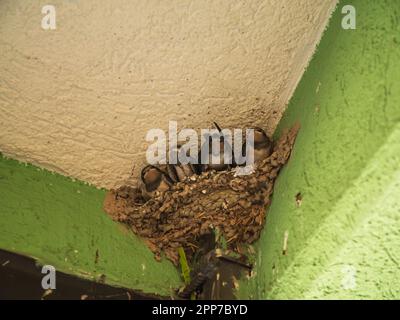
(236, 205)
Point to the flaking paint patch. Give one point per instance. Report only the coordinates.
(285, 243)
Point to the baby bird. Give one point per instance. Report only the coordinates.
(179, 172)
(217, 157)
(154, 180)
(262, 145)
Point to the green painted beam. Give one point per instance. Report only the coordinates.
(61, 222)
(343, 237)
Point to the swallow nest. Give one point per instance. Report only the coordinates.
(236, 205)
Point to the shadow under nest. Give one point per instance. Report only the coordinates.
(236, 205)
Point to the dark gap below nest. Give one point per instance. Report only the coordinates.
(20, 279)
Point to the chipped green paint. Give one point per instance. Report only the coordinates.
(61, 222)
(344, 233)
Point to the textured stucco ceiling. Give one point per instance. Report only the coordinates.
(80, 99)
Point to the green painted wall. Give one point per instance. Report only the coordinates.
(344, 239)
(61, 222)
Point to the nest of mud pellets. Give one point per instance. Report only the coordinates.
(236, 205)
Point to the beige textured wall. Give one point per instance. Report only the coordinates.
(80, 99)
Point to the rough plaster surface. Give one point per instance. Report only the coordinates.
(343, 229)
(79, 99)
